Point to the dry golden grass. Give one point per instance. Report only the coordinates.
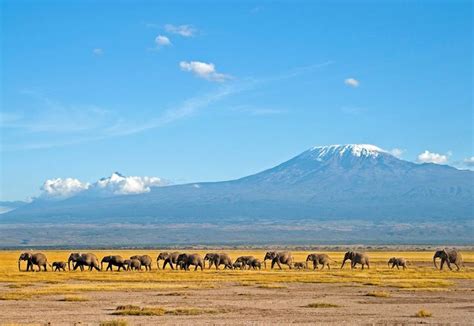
(115, 322)
(28, 285)
(321, 305)
(131, 310)
(423, 313)
(74, 298)
(379, 294)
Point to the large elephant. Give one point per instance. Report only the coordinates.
(80, 260)
(356, 258)
(244, 261)
(283, 257)
(38, 259)
(319, 259)
(145, 260)
(113, 260)
(448, 256)
(169, 258)
(218, 259)
(399, 262)
(186, 260)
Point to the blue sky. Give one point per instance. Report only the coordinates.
(93, 87)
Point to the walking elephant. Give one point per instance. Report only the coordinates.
(254, 263)
(113, 260)
(169, 258)
(38, 259)
(399, 262)
(132, 264)
(59, 266)
(145, 260)
(356, 258)
(244, 261)
(283, 257)
(218, 259)
(448, 256)
(80, 260)
(319, 259)
(186, 260)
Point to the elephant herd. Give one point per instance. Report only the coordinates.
(178, 260)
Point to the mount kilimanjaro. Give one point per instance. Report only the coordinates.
(360, 182)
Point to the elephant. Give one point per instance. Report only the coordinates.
(299, 265)
(169, 258)
(113, 260)
(237, 265)
(218, 259)
(319, 259)
(59, 265)
(133, 264)
(145, 260)
(283, 257)
(38, 259)
(397, 262)
(187, 260)
(244, 261)
(80, 260)
(356, 258)
(448, 256)
(254, 263)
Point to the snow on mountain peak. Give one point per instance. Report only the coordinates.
(358, 150)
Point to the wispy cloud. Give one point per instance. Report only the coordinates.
(203, 70)
(429, 157)
(183, 30)
(98, 51)
(162, 40)
(469, 162)
(352, 82)
(397, 152)
(257, 111)
(76, 124)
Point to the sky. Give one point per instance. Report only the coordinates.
(206, 91)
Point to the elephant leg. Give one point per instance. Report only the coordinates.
(278, 263)
(329, 267)
(273, 264)
(398, 267)
(44, 266)
(457, 266)
(442, 264)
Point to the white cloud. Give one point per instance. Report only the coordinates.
(428, 157)
(118, 184)
(469, 161)
(98, 51)
(162, 40)
(62, 188)
(397, 152)
(351, 82)
(203, 70)
(183, 30)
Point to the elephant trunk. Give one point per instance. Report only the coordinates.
(158, 264)
(388, 264)
(69, 264)
(19, 260)
(343, 262)
(434, 262)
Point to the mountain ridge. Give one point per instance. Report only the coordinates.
(355, 181)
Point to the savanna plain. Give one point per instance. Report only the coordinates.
(379, 295)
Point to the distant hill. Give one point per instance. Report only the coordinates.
(360, 182)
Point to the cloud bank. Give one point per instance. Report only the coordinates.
(116, 184)
(429, 157)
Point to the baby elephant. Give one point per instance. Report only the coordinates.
(299, 265)
(399, 262)
(133, 264)
(237, 265)
(59, 266)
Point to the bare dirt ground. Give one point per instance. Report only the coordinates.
(245, 305)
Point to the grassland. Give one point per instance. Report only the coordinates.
(81, 288)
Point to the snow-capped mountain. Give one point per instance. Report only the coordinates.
(328, 182)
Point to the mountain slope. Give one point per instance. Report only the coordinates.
(329, 182)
